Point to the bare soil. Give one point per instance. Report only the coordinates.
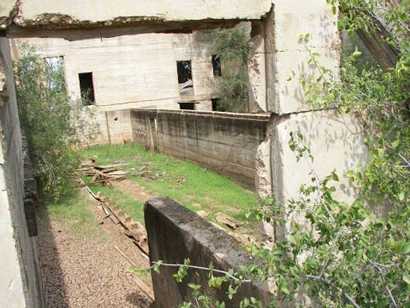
(91, 269)
(133, 189)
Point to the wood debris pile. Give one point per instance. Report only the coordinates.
(103, 174)
(227, 221)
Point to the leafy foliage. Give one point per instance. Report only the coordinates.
(45, 114)
(354, 255)
(232, 46)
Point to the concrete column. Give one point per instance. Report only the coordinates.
(256, 69)
(335, 141)
(19, 280)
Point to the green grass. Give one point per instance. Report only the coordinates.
(193, 186)
(74, 213)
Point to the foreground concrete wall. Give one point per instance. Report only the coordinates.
(19, 279)
(175, 234)
(225, 142)
(336, 143)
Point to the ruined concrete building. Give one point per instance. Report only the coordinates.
(155, 70)
(163, 66)
(123, 69)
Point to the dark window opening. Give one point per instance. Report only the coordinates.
(216, 65)
(216, 105)
(187, 106)
(87, 88)
(184, 69)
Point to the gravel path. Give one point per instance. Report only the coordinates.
(88, 270)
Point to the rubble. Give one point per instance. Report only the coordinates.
(103, 174)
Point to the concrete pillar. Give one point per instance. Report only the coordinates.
(256, 69)
(19, 279)
(335, 141)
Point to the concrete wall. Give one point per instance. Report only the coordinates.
(224, 142)
(291, 19)
(176, 234)
(140, 71)
(19, 279)
(132, 71)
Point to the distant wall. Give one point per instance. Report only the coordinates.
(19, 279)
(132, 71)
(175, 234)
(225, 142)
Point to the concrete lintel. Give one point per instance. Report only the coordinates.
(71, 14)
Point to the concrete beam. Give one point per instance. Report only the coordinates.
(69, 14)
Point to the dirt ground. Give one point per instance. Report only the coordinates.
(91, 270)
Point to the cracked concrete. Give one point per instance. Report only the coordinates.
(69, 13)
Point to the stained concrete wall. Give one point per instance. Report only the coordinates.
(140, 71)
(132, 71)
(176, 234)
(19, 279)
(225, 142)
(291, 19)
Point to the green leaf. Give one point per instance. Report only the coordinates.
(406, 248)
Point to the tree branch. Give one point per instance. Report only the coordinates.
(200, 268)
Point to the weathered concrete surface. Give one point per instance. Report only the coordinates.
(132, 71)
(75, 13)
(19, 280)
(257, 68)
(335, 142)
(175, 234)
(129, 71)
(6, 9)
(119, 126)
(291, 19)
(225, 142)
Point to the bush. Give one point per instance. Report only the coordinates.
(44, 108)
(232, 46)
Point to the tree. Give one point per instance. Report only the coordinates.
(46, 120)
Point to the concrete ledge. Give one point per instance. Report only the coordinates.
(264, 117)
(175, 234)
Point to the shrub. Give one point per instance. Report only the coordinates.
(45, 115)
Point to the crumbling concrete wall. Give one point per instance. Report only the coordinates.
(19, 280)
(225, 142)
(175, 234)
